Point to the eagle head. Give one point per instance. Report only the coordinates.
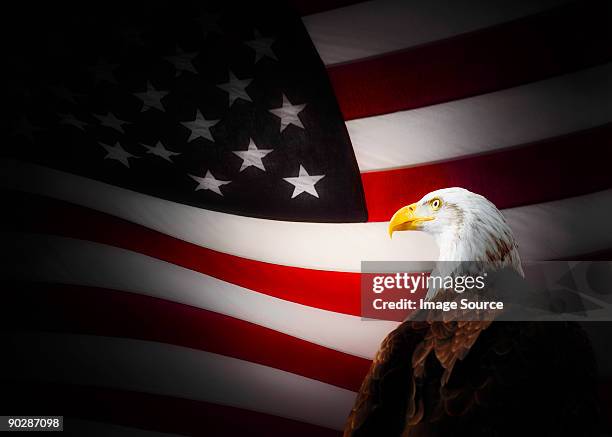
(465, 225)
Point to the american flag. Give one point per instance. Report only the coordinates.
(190, 190)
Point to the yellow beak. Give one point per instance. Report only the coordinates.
(405, 219)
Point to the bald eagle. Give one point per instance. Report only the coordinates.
(475, 378)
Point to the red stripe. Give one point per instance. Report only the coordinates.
(333, 291)
(529, 49)
(562, 167)
(148, 411)
(89, 310)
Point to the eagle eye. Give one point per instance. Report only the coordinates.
(435, 203)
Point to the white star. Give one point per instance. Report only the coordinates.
(262, 46)
(161, 151)
(73, 121)
(208, 23)
(182, 61)
(209, 183)
(117, 153)
(103, 71)
(109, 120)
(304, 183)
(151, 98)
(252, 156)
(288, 114)
(64, 93)
(200, 127)
(236, 88)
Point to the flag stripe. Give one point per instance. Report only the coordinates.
(154, 412)
(176, 371)
(526, 50)
(562, 228)
(493, 121)
(376, 27)
(328, 290)
(549, 170)
(52, 259)
(86, 310)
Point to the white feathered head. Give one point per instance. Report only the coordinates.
(465, 226)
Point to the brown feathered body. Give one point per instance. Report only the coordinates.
(479, 377)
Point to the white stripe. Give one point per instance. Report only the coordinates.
(68, 261)
(484, 123)
(376, 27)
(176, 371)
(560, 229)
(310, 245)
(544, 231)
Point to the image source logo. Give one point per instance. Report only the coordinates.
(554, 290)
(394, 296)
